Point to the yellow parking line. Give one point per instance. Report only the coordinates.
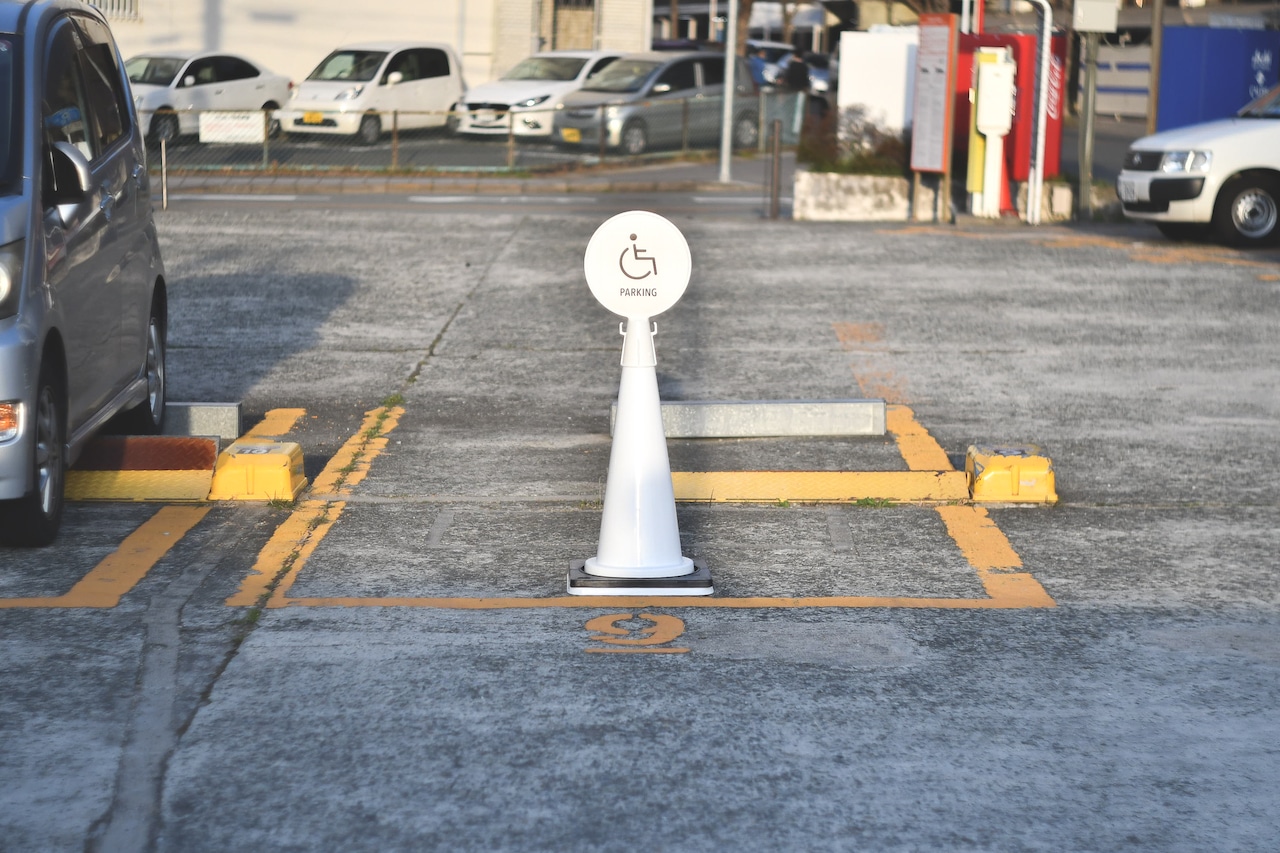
(1004, 602)
(983, 545)
(825, 486)
(293, 542)
(992, 557)
(120, 572)
(919, 450)
(276, 423)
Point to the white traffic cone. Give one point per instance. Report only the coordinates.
(639, 548)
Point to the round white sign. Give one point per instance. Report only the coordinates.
(637, 264)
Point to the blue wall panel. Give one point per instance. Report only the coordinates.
(1208, 73)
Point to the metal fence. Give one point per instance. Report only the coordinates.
(257, 141)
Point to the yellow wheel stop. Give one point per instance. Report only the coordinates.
(1010, 474)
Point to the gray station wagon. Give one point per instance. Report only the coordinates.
(82, 292)
(646, 100)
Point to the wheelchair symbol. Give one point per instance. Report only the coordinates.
(637, 256)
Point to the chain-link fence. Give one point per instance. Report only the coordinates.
(413, 142)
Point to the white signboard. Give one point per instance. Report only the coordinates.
(244, 126)
(637, 264)
(933, 95)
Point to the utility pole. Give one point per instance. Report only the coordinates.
(1157, 48)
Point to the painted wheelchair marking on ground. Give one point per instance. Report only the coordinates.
(279, 563)
(651, 637)
(123, 568)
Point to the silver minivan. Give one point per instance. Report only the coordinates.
(82, 294)
(646, 100)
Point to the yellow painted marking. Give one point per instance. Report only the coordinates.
(122, 569)
(858, 335)
(293, 542)
(188, 485)
(1152, 253)
(662, 629)
(989, 552)
(709, 602)
(666, 650)
(919, 450)
(826, 486)
(276, 423)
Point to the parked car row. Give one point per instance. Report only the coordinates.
(640, 100)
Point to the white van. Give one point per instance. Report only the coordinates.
(1220, 177)
(359, 90)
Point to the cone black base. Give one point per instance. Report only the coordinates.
(697, 582)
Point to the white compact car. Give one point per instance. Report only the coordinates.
(361, 90)
(1220, 177)
(171, 89)
(528, 93)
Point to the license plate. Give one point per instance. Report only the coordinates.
(484, 116)
(570, 134)
(1127, 189)
(312, 118)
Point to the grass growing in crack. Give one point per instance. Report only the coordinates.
(874, 503)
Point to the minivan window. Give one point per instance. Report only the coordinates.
(153, 70)
(433, 61)
(712, 71)
(10, 117)
(625, 75)
(64, 109)
(680, 76)
(358, 65)
(102, 83)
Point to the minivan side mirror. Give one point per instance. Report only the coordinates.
(189, 80)
(661, 88)
(395, 77)
(72, 176)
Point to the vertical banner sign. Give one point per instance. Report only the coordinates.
(931, 124)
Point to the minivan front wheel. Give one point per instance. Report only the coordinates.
(147, 418)
(1247, 213)
(33, 519)
(370, 130)
(635, 139)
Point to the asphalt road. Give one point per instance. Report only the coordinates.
(392, 664)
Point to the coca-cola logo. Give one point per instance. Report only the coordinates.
(1054, 105)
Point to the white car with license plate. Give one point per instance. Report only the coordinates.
(1220, 177)
(171, 89)
(528, 93)
(364, 90)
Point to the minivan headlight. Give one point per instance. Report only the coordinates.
(1186, 161)
(349, 94)
(10, 277)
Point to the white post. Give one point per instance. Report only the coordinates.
(730, 91)
(1035, 190)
